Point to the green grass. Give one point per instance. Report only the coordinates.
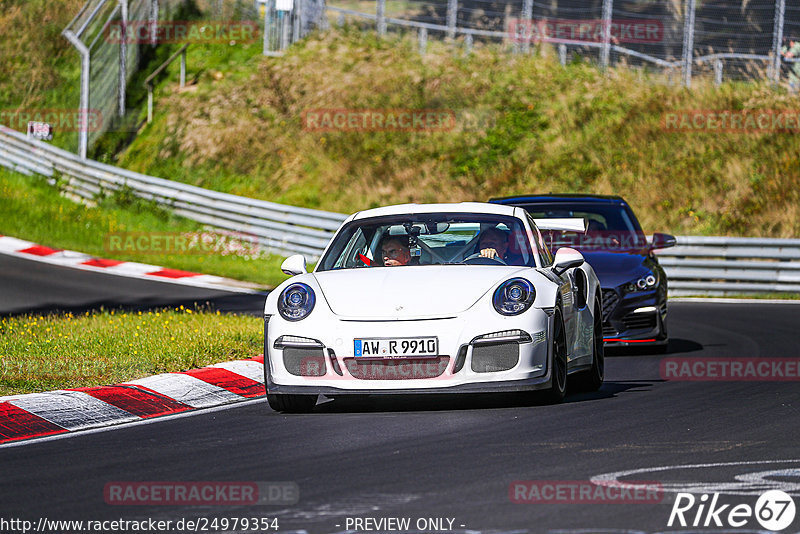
(539, 127)
(33, 210)
(41, 353)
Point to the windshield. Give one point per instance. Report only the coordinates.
(610, 227)
(429, 239)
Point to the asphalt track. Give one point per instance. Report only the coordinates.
(34, 287)
(454, 456)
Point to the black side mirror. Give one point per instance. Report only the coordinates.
(662, 241)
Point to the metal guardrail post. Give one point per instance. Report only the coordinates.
(777, 39)
(83, 131)
(423, 41)
(183, 68)
(717, 72)
(381, 18)
(452, 16)
(296, 14)
(562, 54)
(468, 44)
(688, 41)
(605, 52)
(527, 20)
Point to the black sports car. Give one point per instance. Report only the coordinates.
(634, 284)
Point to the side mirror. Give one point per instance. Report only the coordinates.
(294, 265)
(662, 241)
(566, 258)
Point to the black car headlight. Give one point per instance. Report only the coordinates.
(514, 296)
(296, 302)
(645, 283)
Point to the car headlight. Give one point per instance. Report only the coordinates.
(644, 283)
(296, 302)
(514, 296)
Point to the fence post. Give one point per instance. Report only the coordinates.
(777, 39)
(468, 44)
(381, 18)
(423, 40)
(153, 22)
(527, 20)
(297, 13)
(267, 9)
(83, 132)
(717, 72)
(562, 53)
(123, 56)
(452, 17)
(688, 42)
(183, 68)
(605, 52)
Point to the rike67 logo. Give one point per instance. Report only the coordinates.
(774, 510)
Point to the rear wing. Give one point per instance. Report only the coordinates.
(574, 224)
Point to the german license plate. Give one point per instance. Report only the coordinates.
(402, 347)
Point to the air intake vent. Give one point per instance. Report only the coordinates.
(610, 300)
(635, 321)
(493, 358)
(304, 362)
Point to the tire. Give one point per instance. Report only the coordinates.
(592, 379)
(292, 403)
(558, 383)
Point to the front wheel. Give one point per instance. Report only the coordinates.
(558, 380)
(292, 403)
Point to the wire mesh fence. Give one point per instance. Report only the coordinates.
(742, 40)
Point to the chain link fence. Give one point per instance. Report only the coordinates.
(744, 40)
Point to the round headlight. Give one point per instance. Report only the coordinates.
(651, 280)
(514, 296)
(641, 283)
(296, 302)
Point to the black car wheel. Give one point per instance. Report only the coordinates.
(592, 379)
(558, 380)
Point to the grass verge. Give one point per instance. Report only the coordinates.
(42, 353)
(33, 210)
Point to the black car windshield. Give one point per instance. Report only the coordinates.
(610, 227)
(430, 239)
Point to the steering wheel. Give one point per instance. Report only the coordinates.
(477, 259)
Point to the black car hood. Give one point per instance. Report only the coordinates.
(616, 268)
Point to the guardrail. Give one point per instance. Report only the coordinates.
(698, 265)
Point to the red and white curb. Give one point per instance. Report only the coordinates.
(77, 260)
(37, 415)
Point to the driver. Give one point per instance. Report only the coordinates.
(394, 251)
(493, 243)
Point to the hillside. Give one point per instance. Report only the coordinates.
(523, 124)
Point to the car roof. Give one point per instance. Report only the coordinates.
(462, 207)
(559, 197)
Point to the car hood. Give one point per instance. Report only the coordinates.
(615, 268)
(409, 292)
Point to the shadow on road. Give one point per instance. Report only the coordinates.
(470, 401)
(676, 346)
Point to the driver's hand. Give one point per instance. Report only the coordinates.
(489, 253)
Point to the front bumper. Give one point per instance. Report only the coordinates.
(634, 319)
(466, 363)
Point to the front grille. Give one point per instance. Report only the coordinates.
(635, 321)
(396, 369)
(496, 357)
(610, 301)
(304, 361)
(609, 331)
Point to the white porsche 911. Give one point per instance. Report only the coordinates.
(434, 298)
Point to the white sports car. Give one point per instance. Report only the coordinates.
(434, 298)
